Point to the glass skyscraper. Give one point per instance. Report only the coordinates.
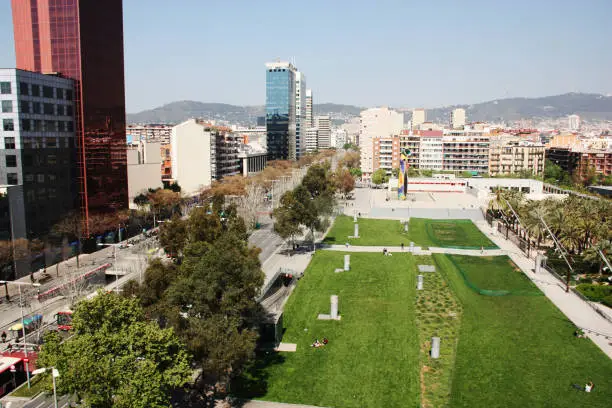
(280, 111)
(83, 40)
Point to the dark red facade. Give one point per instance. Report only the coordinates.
(83, 40)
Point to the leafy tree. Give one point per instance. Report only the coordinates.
(173, 236)
(351, 160)
(355, 172)
(216, 292)
(116, 358)
(286, 222)
(172, 186)
(395, 172)
(379, 177)
(202, 226)
(70, 227)
(412, 172)
(345, 182)
(164, 201)
(141, 200)
(553, 173)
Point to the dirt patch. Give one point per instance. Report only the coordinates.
(424, 401)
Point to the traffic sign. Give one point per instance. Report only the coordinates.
(26, 360)
(13, 369)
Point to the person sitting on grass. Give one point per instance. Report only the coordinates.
(588, 387)
(317, 344)
(325, 341)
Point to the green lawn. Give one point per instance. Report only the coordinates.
(423, 232)
(372, 356)
(37, 385)
(518, 350)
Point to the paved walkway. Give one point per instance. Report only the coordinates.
(580, 312)
(268, 404)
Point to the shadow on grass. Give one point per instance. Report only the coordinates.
(253, 382)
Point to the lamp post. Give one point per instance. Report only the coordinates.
(54, 373)
(114, 263)
(25, 344)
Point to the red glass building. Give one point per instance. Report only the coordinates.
(83, 40)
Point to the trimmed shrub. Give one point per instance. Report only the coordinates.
(594, 292)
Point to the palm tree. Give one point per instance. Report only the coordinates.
(593, 256)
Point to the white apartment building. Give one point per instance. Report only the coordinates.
(143, 168)
(418, 118)
(202, 153)
(311, 139)
(457, 118)
(376, 122)
(431, 150)
(149, 133)
(251, 134)
(323, 125)
(573, 122)
(309, 118)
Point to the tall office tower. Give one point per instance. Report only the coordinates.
(309, 117)
(573, 122)
(83, 40)
(300, 113)
(280, 111)
(310, 141)
(376, 122)
(37, 157)
(457, 118)
(323, 124)
(418, 118)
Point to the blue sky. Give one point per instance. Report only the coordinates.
(384, 52)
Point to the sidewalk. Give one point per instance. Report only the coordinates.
(416, 250)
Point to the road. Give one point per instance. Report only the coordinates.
(46, 401)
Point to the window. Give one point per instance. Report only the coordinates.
(38, 125)
(28, 178)
(25, 107)
(7, 106)
(27, 143)
(48, 109)
(23, 89)
(51, 159)
(40, 178)
(47, 92)
(68, 110)
(68, 95)
(8, 125)
(51, 142)
(5, 88)
(35, 90)
(26, 160)
(50, 126)
(70, 126)
(11, 178)
(11, 160)
(9, 142)
(26, 125)
(36, 108)
(51, 177)
(38, 142)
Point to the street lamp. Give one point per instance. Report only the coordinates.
(25, 344)
(114, 262)
(54, 374)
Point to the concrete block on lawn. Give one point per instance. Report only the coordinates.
(427, 268)
(288, 347)
(356, 233)
(435, 347)
(333, 312)
(419, 282)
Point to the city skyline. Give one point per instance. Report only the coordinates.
(556, 49)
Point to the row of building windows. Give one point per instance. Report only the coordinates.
(45, 91)
(38, 125)
(38, 108)
(39, 142)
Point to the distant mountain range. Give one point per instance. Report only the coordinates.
(588, 106)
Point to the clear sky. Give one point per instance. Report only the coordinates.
(376, 52)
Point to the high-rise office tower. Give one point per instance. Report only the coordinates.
(457, 118)
(280, 111)
(309, 117)
(300, 113)
(418, 118)
(323, 124)
(83, 40)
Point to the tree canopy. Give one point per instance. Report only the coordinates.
(115, 358)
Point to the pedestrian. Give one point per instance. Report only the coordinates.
(482, 250)
(402, 246)
(3, 336)
(347, 244)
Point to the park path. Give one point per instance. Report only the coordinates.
(269, 404)
(577, 310)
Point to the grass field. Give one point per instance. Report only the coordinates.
(518, 351)
(423, 232)
(372, 356)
